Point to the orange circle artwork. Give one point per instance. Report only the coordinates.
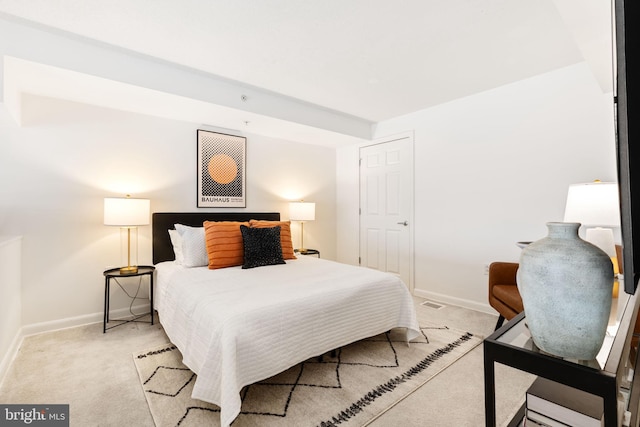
(222, 169)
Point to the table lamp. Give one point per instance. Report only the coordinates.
(128, 214)
(302, 211)
(595, 205)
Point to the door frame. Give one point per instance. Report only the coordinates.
(378, 141)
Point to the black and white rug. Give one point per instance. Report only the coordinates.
(352, 388)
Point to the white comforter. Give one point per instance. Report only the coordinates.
(235, 327)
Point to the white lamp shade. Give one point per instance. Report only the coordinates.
(602, 238)
(592, 204)
(126, 212)
(302, 211)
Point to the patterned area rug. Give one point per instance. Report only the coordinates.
(349, 388)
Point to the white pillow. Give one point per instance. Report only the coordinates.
(176, 242)
(194, 249)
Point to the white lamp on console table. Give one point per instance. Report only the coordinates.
(595, 205)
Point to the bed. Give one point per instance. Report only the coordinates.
(237, 326)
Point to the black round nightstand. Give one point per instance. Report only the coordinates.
(115, 273)
(308, 252)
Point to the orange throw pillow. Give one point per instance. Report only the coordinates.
(224, 243)
(285, 235)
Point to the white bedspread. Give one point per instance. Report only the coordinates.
(235, 327)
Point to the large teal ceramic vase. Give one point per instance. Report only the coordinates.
(566, 287)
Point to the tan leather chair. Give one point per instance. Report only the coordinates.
(503, 290)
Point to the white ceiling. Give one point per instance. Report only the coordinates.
(373, 59)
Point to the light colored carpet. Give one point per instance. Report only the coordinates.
(95, 374)
(351, 388)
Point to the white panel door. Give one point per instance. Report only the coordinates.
(386, 207)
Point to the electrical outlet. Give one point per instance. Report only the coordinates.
(486, 269)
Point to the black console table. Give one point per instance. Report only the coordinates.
(512, 345)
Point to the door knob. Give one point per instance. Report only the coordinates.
(405, 223)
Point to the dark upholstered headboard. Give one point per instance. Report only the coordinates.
(162, 222)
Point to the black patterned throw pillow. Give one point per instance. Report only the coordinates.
(261, 246)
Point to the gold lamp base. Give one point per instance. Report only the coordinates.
(131, 269)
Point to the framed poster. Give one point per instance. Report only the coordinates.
(221, 170)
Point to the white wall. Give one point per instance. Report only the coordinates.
(57, 169)
(491, 170)
(10, 299)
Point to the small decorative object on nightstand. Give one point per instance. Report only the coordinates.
(307, 252)
(117, 273)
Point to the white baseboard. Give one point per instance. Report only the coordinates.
(460, 302)
(70, 322)
(54, 325)
(10, 355)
